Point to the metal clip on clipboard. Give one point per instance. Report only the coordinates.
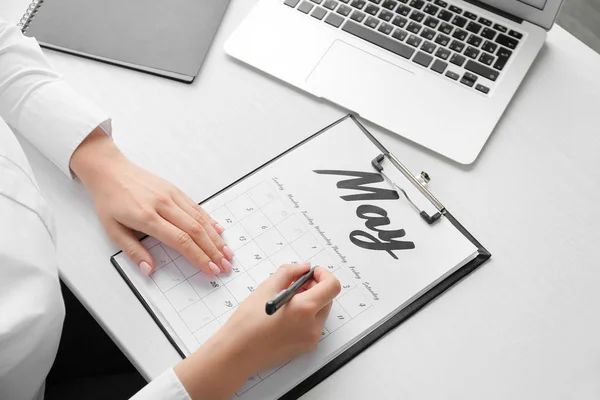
(419, 182)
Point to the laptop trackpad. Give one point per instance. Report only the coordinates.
(355, 79)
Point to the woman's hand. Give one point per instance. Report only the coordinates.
(129, 198)
(252, 341)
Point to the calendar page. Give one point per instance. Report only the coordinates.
(321, 202)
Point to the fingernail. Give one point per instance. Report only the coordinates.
(213, 267)
(305, 263)
(146, 268)
(228, 252)
(226, 265)
(219, 228)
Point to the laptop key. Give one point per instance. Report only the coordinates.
(474, 40)
(358, 16)
(413, 27)
(423, 59)
(484, 21)
(386, 29)
(305, 7)
(316, 1)
(482, 70)
(442, 40)
(319, 13)
(334, 20)
(452, 75)
(482, 89)
(431, 9)
(442, 53)
(455, 9)
(345, 1)
(507, 41)
(330, 4)
(486, 59)
(503, 56)
(358, 4)
(515, 34)
(445, 15)
(378, 39)
(428, 47)
(291, 3)
(470, 15)
(488, 46)
(431, 22)
(428, 34)
(403, 10)
(471, 52)
(418, 4)
(386, 15)
(488, 33)
(439, 66)
(459, 21)
(417, 16)
(344, 10)
(459, 34)
(457, 46)
(372, 22)
(399, 34)
(446, 28)
(457, 59)
(389, 4)
(468, 79)
(371, 9)
(375, 1)
(500, 28)
(440, 3)
(399, 21)
(473, 27)
(413, 41)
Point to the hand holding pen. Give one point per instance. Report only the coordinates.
(258, 341)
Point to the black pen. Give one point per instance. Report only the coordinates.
(286, 294)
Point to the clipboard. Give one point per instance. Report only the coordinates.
(431, 218)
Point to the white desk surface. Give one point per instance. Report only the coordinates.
(524, 326)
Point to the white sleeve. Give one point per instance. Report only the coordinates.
(39, 104)
(166, 386)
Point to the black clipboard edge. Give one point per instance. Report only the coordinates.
(146, 305)
(393, 322)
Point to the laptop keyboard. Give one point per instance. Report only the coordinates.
(439, 36)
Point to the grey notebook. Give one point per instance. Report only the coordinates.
(163, 37)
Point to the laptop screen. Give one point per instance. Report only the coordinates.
(539, 12)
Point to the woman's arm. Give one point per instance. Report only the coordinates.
(74, 134)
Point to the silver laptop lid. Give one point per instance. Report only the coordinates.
(539, 12)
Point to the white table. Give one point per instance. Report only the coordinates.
(526, 325)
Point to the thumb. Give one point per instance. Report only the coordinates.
(126, 240)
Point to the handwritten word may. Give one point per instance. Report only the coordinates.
(375, 217)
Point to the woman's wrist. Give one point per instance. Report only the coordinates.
(216, 370)
(93, 155)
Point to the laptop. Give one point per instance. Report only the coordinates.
(438, 72)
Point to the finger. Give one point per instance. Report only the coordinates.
(323, 313)
(324, 291)
(287, 274)
(209, 227)
(171, 235)
(189, 225)
(218, 227)
(307, 286)
(126, 240)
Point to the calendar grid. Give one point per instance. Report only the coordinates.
(264, 233)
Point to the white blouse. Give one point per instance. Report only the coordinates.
(37, 103)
